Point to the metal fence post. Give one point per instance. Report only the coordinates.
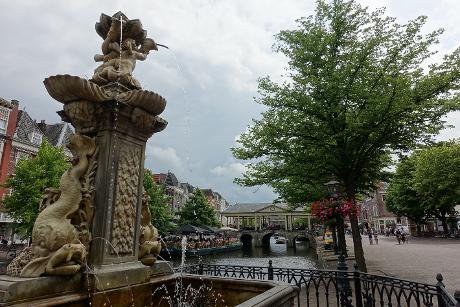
(439, 288)
(357, 282)
(457, 297)
(270, 270)
(343, 284)
(200, 267)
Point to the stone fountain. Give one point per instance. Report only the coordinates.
(93, 242)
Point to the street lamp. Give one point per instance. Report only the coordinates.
(334, 189)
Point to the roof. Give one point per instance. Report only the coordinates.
(25, 126)
(187, 186)
(168, 179)
(256, 207)
(5, 103)
(58, 134)
(207, 192)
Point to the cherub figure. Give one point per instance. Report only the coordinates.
(120, 61)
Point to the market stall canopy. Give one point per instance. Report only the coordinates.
(187, 229)
(209, 228)
(226, 228)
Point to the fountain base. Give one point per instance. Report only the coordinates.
(107, 282)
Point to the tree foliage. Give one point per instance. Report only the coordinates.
(197, 211)
(158, 205)
(355, 91)
(427, 184)
(401, 197)
(31, 178)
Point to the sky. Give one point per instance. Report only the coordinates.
(217, 51)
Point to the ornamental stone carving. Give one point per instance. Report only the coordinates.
(126, 198)
(149, 246)
(56, 247)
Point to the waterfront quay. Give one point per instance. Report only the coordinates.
(419, 260)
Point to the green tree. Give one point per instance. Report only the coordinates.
(355, 91)
(158, 204)
(31, 178)
(401, 197)
(427, 184)
(437, 180)
(197, 211)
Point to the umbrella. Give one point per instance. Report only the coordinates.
(186, 229)
(226, 228)
(209, 228)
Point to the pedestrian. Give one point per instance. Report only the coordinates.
(376, 238)
(403, 236)
(369, 232)
(398, 235)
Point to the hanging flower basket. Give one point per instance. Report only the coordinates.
(328, 210)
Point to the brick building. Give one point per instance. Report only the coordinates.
(217, 202)
(20, 138)
(374, 212)
(179, 192)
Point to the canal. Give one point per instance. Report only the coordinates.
(302, 256)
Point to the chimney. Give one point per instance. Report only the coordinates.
(42, 125)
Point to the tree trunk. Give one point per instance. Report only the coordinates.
(418, 229)
(357, 244)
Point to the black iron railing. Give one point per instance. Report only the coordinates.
(339, 287)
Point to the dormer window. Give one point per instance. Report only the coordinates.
(4, 114)
(36, 138)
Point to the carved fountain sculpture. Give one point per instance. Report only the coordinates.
(93, 243)
(56, 247)
(99, 214)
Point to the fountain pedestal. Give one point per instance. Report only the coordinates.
(121, 131)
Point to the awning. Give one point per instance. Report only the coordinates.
(187, 229)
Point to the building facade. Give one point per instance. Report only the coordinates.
(180, 192)
(373, 211)
(217, 202)
(20, 138)
(260, 216)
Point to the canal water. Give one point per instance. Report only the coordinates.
(302, 256)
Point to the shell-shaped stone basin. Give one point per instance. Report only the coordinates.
(66, 88)
(148, 101)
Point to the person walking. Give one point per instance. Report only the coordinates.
(403, 236)
(369, 233)
(398, 235)
(376, 238)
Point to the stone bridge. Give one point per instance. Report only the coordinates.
(260, 238)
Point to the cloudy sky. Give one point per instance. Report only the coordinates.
(218, 50)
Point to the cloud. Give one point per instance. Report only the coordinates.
(166, 157)
(218, 50)
(229, 170)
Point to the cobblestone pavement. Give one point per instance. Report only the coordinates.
(419, 260)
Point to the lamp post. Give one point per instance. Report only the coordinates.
(334, 189)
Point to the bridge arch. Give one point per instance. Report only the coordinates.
(246, 239)
(262, 238)
(266, 238)
(302, 238)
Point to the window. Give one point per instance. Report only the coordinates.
(36, 138)
(4, 114)
(21, 155)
